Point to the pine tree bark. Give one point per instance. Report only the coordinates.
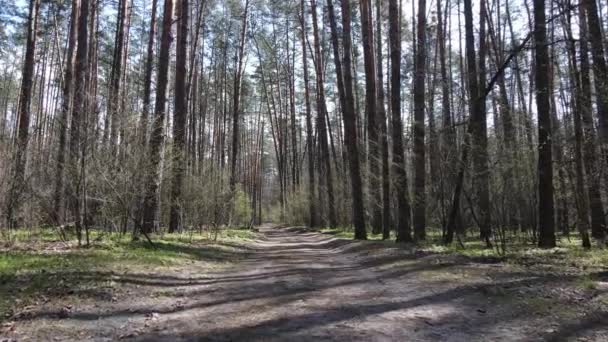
(589, 31)
(480, 134)
(474, 119)
(386, 192)
(448, 137)
(114, 98)
(325, 165)
(546, 215)
(78, 116)
(62, 121)
(148, 76)
(600, 70)
(312, 212)
(25, 99)
(419, 108)
(179, 117)
(582, 200)
(367, 37)
(237, 99)
(404, 232)
(158, 123)
(345, 89)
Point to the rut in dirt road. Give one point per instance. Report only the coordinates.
(298, 285)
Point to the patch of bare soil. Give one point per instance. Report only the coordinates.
(298, 285)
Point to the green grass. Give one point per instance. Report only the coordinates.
(36, 261)
(518, 251)
(349, 233)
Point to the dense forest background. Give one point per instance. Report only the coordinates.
(483, 118)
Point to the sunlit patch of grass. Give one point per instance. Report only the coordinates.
(349, 233)
(209, 235)
(339, 232)
(47, 262)
(518, 250)
(587, 283)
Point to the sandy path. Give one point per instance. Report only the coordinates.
(304, 286)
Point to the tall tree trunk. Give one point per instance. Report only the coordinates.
(480, 134)
(345, 88)
(325, 165)
(419, 104)
(25, 99)
(367, 37)
(114, 98)
(546, 216)
(158, 123)
(312, 214)
(404, 232)
(148, 76)
(79, 115)
(474, 119)
(582, 200)
(386, 192)
(179, 118)
(62, 121)
(236, 98)
(448, 137)
(600, 71)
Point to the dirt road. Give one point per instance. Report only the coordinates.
(296, 285)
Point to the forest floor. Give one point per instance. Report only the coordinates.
(293, 284)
